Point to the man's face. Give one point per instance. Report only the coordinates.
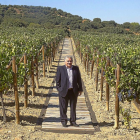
(68, 62)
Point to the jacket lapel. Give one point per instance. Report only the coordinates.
(65, 71)
(73, 73)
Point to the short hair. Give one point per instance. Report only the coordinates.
(68, 56)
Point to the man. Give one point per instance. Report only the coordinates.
(69, 86)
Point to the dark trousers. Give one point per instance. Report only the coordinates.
(63, 103)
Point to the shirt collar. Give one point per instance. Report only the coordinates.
(69, 68)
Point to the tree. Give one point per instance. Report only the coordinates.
(60, 12)
(33, 25)
(112, 23)
(98, 20)
(105, 23)
(48, 25)
(85, 26)
(127, 25)
(96, 25)
(14, 22)
(135, 27)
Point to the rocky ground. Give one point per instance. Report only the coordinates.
(26, 130)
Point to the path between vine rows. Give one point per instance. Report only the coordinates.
(31, 118)
(51, 120)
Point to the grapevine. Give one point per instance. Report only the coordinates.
(17, 42)
(121, 49)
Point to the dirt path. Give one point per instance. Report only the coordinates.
(32, 115)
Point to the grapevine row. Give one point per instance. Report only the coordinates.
(115, 61)
(22, 52)
(122, 50)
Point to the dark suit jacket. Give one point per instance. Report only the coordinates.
(62, 81)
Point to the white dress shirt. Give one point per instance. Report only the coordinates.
(69, 71)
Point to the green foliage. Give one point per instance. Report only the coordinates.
(121, 49)
(115, 30)
(11, 22)
(127, 25)
(110, 77)
(48, 25)
(126, 116)
(47, 17)
(34, 25)
(135, 27)
(134, 24)
(18, 41)
(97, 20)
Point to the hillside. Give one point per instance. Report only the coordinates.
(47, 17)
(35, 16)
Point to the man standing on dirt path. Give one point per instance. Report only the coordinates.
(69, 86)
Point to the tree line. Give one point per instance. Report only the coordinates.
(47, 17)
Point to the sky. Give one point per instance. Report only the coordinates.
(118, 10)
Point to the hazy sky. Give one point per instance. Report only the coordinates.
(118, 10)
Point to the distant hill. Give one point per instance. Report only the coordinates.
(35, 15)
(47, 17)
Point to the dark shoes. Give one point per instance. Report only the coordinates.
(74, 124)
(64, 125)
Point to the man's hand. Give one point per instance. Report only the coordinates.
(80, 92)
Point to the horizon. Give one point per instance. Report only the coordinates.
(126, 11)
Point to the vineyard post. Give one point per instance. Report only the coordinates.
(54, 43)
(80, 52)
(46, 58)
(3, 109)
(52, 51)
(107, 87)
(47, 62)
(87, 59)
(87, 64)
(32, 76)
(79, 48)
(25, 84)
(49, 58)
(92, 66)
(116, 98)
(43, 58)
(36, 62)
(102, 70)
(57, 46)
(80, 55)
(15, 88)
(97, 73)
(51, 55)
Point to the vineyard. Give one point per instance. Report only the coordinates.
(109, 64)
(17, 42)
(122, 50)
(117, 59)
(20, 51)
